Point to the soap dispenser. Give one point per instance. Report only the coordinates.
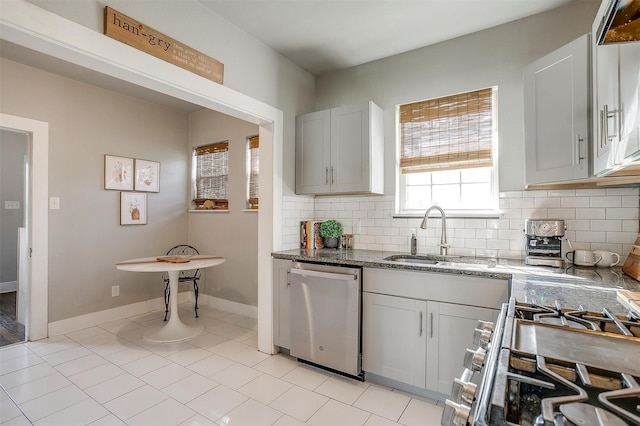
(414, 244)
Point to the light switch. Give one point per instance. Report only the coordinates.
(54, 203)
(12, 205)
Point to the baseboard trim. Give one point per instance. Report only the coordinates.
(68, 325)
(8, 286)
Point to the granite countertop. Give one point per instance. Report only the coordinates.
(571, 286)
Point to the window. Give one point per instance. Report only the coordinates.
(447, 154)
(253, 167)
(211, 176)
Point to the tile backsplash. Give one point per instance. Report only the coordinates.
(605, 219)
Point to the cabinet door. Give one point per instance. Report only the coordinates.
(557, 115)
(606, 100)
(350, 164)
(313, 152)
(394, 338)
(629, 63)
(281, 325)
(450, 329)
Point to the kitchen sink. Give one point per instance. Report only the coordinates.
(406, 258)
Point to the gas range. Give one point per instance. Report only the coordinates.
(548, 366)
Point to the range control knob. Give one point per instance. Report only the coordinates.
(463, 391)
(482, 337)
(455, 414)
(474, 360)
(485, 325)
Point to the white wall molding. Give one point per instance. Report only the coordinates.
(122, 312)
(8, 286)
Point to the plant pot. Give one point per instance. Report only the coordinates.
(331, 242)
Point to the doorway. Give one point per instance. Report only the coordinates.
(13, 153)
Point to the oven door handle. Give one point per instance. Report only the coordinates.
(327, 275)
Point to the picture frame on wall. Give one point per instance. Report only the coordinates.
(147, 176)
(118, 173)
(133, 208)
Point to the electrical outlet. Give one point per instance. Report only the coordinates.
(356, 226)
(54, 203)
(115, 291)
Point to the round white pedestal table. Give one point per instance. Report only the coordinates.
(174, 330)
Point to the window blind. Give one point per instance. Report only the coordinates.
(212, 175)
(254, 167)
(452, 132)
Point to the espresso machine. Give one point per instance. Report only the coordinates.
(544, 242)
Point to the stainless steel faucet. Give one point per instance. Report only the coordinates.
(443, 238)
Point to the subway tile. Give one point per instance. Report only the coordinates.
(534, 194)
(606, 225)
(575, 202)
(522, 203)
(591, 213)
(606, 201)
(579, 225)
(591, 236)
(547, 202)
(622, 213)
(562, 213)
(561, 193)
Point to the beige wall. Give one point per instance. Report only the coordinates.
(493, 57)
(232, 234)
(85, 235)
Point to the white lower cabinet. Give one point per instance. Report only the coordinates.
(393, 338)
(416, 326)
(281, 326)
(450, 332)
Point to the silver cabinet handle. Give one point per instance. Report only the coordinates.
(326, 175)
(420, 324)
(332, 175)
(431, 325)
(607, 115)
(579, 156)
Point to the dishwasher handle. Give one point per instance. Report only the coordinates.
(327, 275)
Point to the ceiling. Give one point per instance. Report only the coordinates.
(326, 35)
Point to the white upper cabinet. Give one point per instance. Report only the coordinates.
(616, 101)
(340, 151)
(557, 115)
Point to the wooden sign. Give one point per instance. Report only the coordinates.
(135, 34)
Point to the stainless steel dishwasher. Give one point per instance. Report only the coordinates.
(325, 314)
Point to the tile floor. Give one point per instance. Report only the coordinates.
(109, 375)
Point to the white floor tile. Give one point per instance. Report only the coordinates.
(164, 376)
(250, 356)
(342, 389)
(189, 356)
(82, 413)
(36, 388)
(66, 355)
(135, 402)
(289, 421)
(419, 412)
(211, 380)
(236, 376)
(168, 412)
(113, 388)
(25, 375)
(145, 365)
(306, 377)
(335, 412)
(277, 365)
(52, 402)
(189, 388)
(228, 349)
(211, 365)
(299, 403)
(96, 375)
(79, 365)
(217, 402)
(265, 388)
(382, 402)
(250, 413)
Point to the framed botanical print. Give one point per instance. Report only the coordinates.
(118, 173)
(133, 208)
(147, 176)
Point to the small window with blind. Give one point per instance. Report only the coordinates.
(211, 176)
(253, 167)
(448, 154)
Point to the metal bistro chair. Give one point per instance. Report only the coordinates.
(192, 275)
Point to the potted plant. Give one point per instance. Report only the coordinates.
(331, 231)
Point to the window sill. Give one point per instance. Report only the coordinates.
(208, 211)
(480, 214)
